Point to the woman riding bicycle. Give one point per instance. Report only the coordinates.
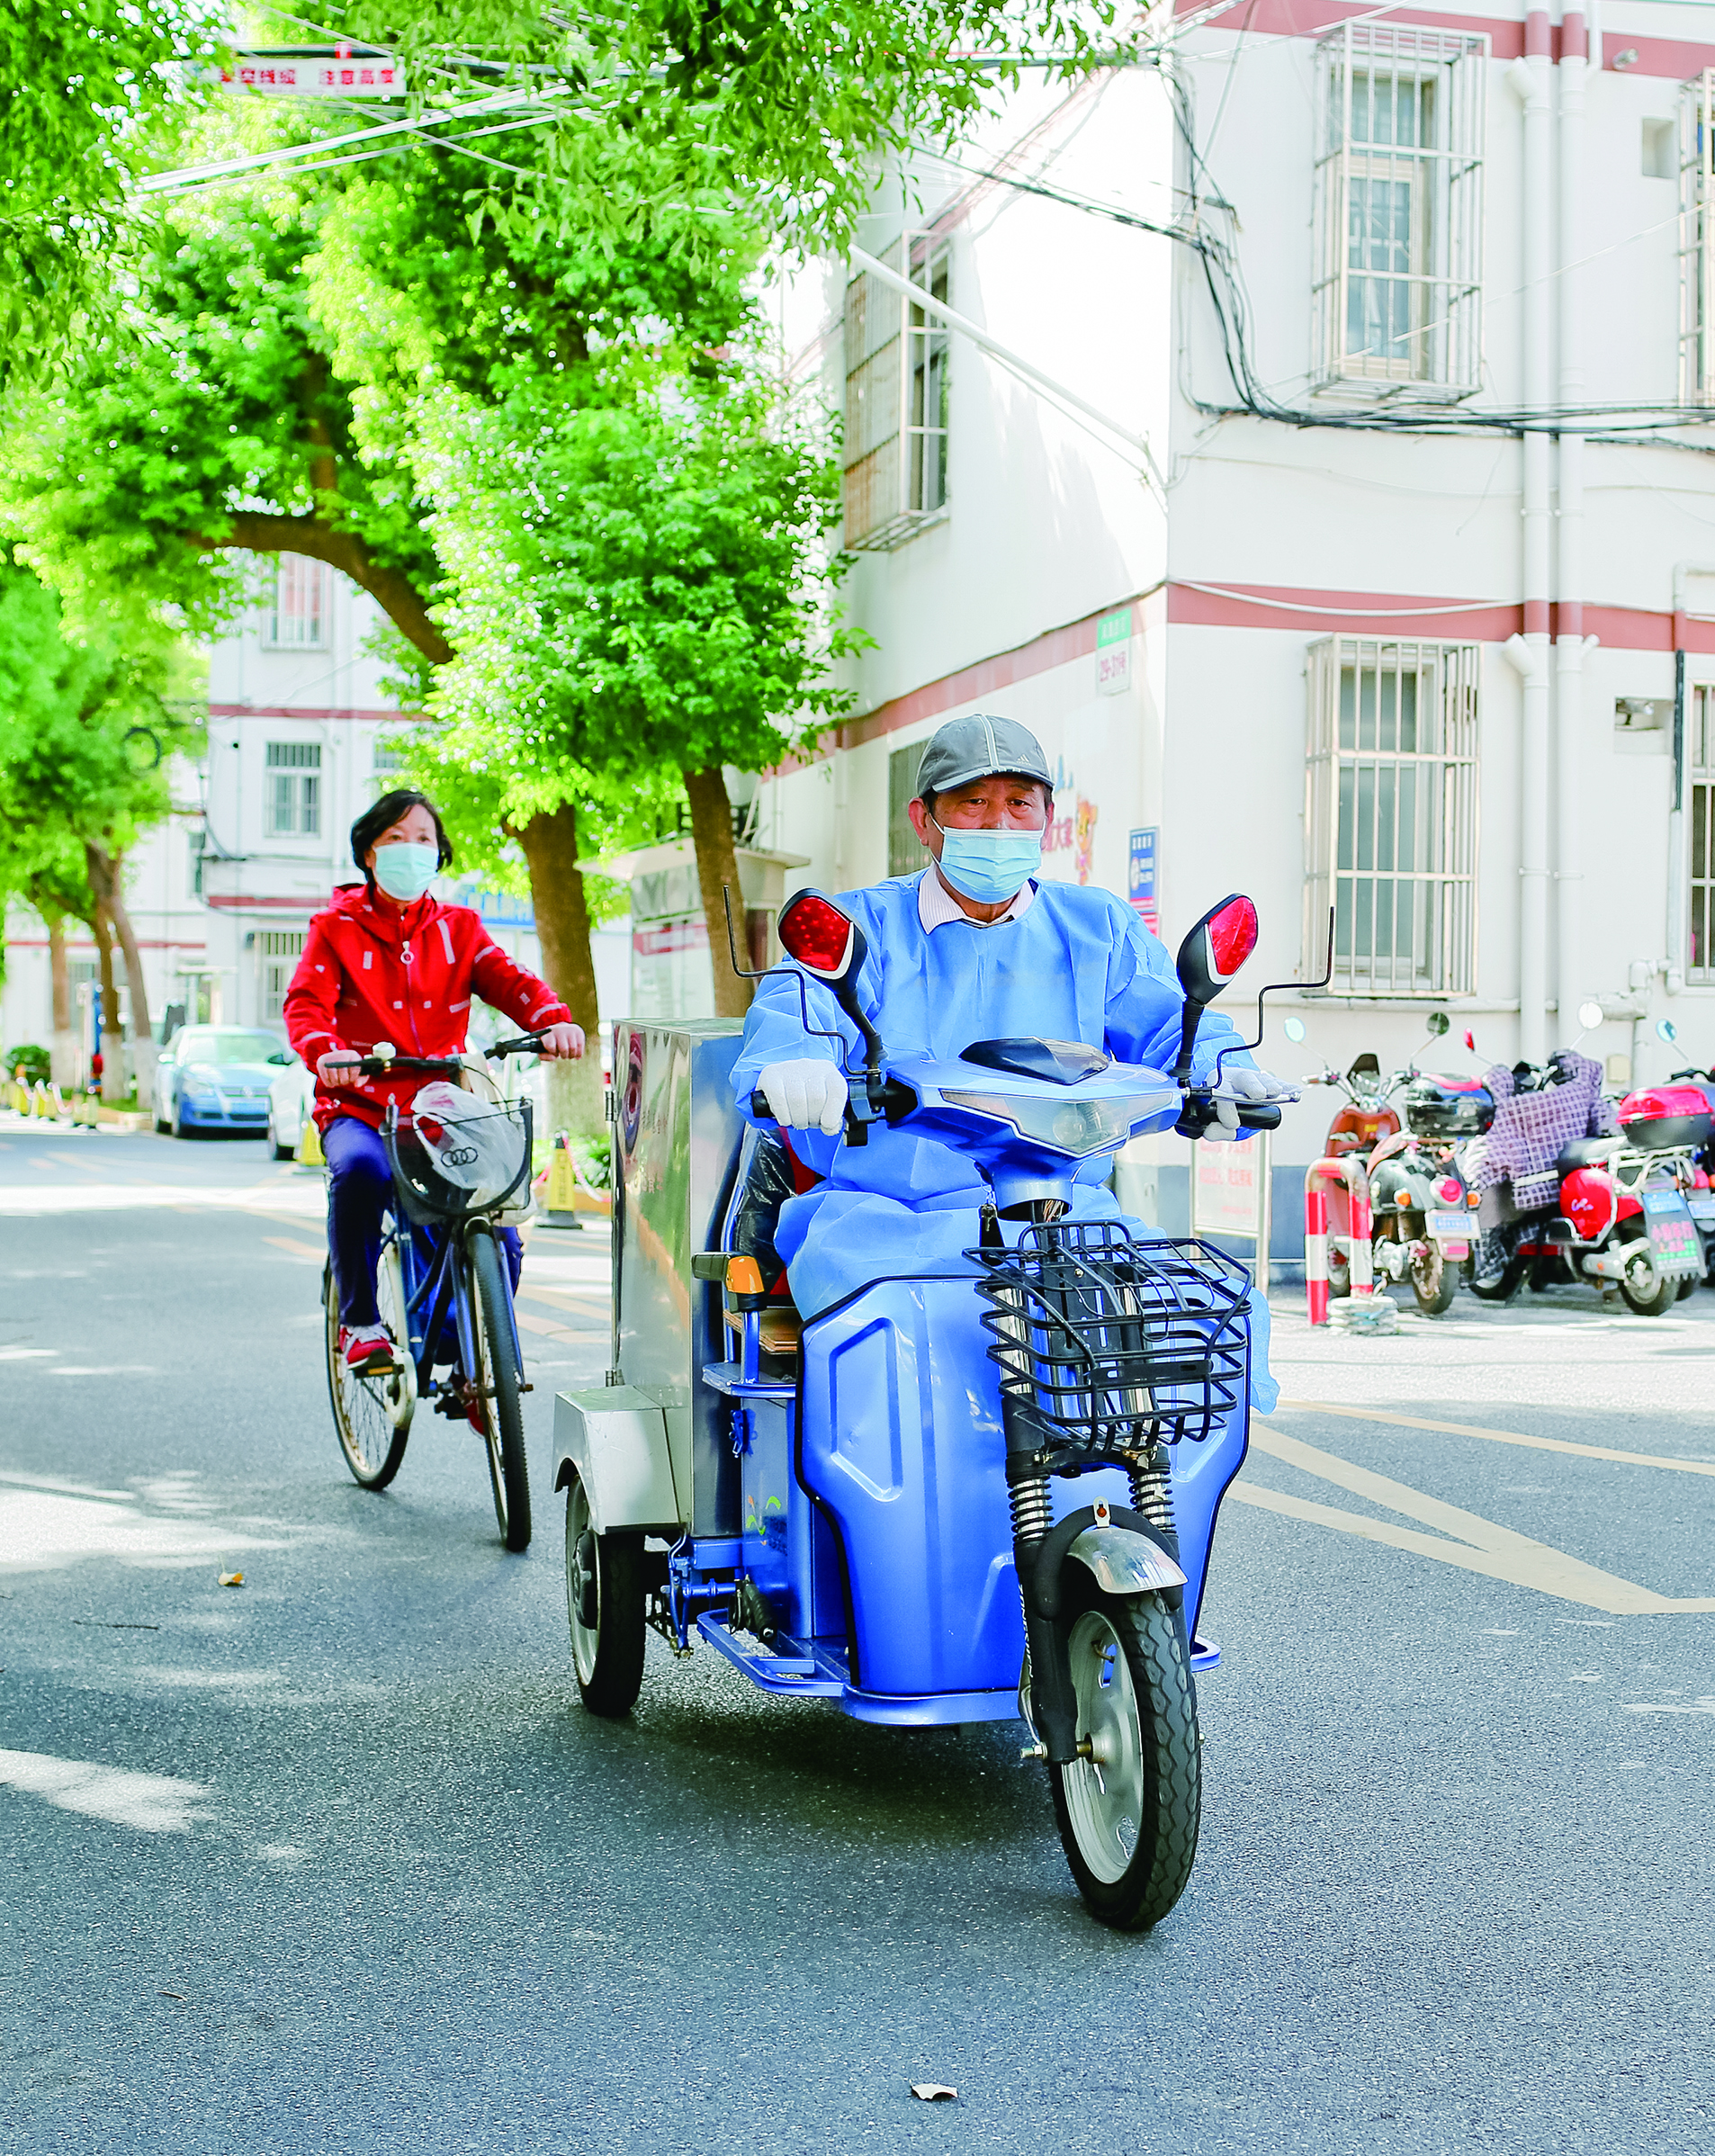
(386, 962)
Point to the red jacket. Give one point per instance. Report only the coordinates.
(372, 973)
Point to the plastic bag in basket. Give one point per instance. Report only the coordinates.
(476, 1147)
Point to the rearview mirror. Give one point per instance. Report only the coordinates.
(1666, 1030)
(823, 940)
(1589, 1015)
(1439, 1022)
(1216, 949)
(1208, 959)
(1293, 1028)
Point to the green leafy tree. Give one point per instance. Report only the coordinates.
(641, 583)
(87, 731)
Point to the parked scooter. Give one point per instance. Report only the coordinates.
(837, 1506)
(1565, 1197)
(1420, 1223)
(1700, 1198)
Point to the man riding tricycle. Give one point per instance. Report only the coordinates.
(905, 1414)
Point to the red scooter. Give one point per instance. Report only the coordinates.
(1582, 1204)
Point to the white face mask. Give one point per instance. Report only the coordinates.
(989, 866)
(405, 870)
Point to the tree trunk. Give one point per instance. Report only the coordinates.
(63, 1050)
(106, 880)
(113, 1044)
(717, 865)
(563, 927)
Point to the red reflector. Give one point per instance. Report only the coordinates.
(816, 934)
(1232, 936)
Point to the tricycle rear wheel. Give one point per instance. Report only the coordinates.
(604, 1596)
(1129, 1810)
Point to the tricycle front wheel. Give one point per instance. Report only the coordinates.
(1129, 1806)
(604, 1596)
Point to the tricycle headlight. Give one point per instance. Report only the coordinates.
(1075, 1127)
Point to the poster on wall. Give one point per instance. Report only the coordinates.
(1142, 855)
(1230, 1191)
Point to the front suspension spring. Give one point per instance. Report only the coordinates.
(1152, 1490)
(1032, 1515)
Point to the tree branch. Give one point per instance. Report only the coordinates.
(396, 595)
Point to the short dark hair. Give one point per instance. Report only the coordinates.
(385, 814)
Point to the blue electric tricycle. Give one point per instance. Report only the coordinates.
(964, 1497)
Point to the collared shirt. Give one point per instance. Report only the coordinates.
(936, 904)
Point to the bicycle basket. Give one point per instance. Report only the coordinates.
(1116, 1344)
(454, 1154)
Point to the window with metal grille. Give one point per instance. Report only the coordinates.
(296, 621)
(292, 794)
(896, 357)
(1700, 793)
(279, 950)
(390, 756)
(1697, 240)
(905, 853)
(1399, 208)
(1391, 816)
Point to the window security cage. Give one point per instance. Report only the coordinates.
(297, 619)
(292, 794)
(1399, 210)
(905, 853)
(1391, 816)
(278, 951)
(1697, 240)
(896, 360)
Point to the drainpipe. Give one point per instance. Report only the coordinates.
(1529, 80)
(1570, 641)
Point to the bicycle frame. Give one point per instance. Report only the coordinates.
(437, 1288)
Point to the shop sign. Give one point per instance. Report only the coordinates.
(1113, 652)
(1142, 856)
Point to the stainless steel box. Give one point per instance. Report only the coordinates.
(676, 1135)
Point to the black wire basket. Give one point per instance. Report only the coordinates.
(459, 1164)
(1116, 1344)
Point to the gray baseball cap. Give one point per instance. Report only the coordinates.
(980, 747)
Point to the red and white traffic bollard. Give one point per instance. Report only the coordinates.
(1315, 1255)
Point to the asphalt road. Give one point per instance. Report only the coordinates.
(336, 1861)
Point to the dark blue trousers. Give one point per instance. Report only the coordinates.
(360, 1189)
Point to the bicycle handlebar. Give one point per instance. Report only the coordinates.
(446, 1066)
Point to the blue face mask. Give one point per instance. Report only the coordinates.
(405, 870)
(990, 865)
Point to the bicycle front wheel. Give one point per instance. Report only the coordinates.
(371, 1411)
(499, 1389)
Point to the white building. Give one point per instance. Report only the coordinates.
(1247, 497)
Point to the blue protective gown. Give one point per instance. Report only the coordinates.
(1076, 965)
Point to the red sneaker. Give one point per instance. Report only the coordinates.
(367, 1348)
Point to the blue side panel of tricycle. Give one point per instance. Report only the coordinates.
(902, 1446)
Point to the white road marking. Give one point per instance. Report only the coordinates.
(153, 1803)
(1476, 1544)
(1504, 1437)
(1703, 1706)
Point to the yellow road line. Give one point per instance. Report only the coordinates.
(1504, 1437)
(559, 1299)
(298, 1250)
(1475, 1544)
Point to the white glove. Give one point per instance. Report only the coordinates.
(1240, 1085)
(806, 1095)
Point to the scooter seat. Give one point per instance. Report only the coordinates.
(1585, 1153)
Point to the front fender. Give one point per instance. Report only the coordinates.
(1125, 1562)
(614, 1440)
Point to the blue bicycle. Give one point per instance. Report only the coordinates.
(459, 1162)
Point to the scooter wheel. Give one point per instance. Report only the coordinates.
(1645, 1291)
(1504, 1289)
(605, 1594)
(1434, 1282)
(1129, 1806)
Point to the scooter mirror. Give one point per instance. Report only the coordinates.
(1589, 1015)
(1666, 1030)
(1293, 1028)
(823, 939)
(1438, 1023)
(1216, 949)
